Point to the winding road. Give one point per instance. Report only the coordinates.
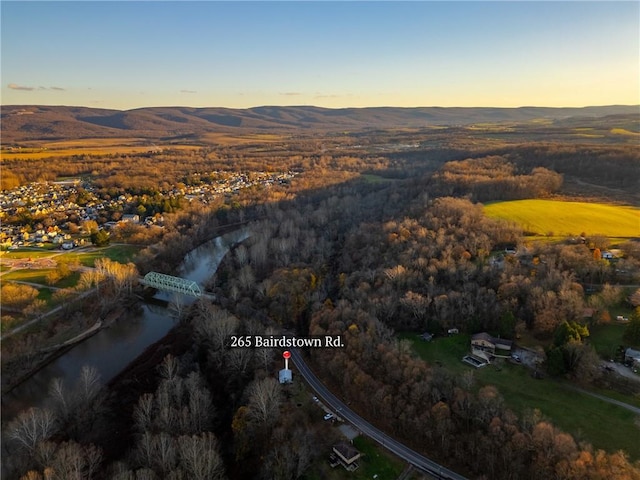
(340, 408)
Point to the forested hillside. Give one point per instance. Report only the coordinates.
(32, 122)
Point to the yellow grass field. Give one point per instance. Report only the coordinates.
(559, 218)
(96, 146)
(622, 131)
(231, 139)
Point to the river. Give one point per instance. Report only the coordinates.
(113, 348)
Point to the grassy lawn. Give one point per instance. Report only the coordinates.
(117, 253)
(122, 253)
(606, 426)
(69, 281)
(45, 294)
(370, 178)
(568, 218)
(376, 460)
(28, 275)
(39, 276)
(445, 351)
(606, 338)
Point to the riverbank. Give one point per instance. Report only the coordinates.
(109, 350)
(138, 377)
(22, 371)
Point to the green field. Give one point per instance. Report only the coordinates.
(605, 426)
(370, 178)
(28, 275)
(117, 253)
(606, 338)
(558, 218)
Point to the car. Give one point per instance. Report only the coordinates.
(315, 399)
(516, 358)
(328, 416)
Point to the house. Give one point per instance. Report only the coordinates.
(483, 344)
(632, 357)
(345, 455)
(131, 218)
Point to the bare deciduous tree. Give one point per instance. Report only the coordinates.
(264, 401)
(143, 412)
(164, 452)
(238, 360)
(88, 385)
(199, 457)
(73, 461)
(215, 325)
(61, 399)
(31, 427)
(169, 368)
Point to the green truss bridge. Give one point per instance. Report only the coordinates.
(170, 283)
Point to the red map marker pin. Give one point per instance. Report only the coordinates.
(287, 355)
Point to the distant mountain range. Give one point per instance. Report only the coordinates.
(34, 122)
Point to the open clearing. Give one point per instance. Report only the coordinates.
(605, 426)
(544, 217)
(99, 146)
(244, 139)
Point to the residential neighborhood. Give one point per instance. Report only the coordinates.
(53, 212)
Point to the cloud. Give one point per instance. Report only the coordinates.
(188, 91)
(14, 86)
(290, 94)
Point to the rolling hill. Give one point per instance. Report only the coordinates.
(32, 122)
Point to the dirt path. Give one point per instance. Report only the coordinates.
(604, 398)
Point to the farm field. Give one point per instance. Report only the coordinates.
(217, 138)
(88, 147)
(559, 218)
(605, 426)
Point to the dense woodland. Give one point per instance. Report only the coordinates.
(339, 253)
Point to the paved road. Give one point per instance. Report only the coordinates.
(419, 461)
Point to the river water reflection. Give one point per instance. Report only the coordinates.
(112, 349)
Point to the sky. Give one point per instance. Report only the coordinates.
(241, 54)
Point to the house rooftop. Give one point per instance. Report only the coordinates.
(347, 453)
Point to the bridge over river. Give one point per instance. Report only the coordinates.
(169, 283)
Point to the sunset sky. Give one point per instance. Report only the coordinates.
(334, 54)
